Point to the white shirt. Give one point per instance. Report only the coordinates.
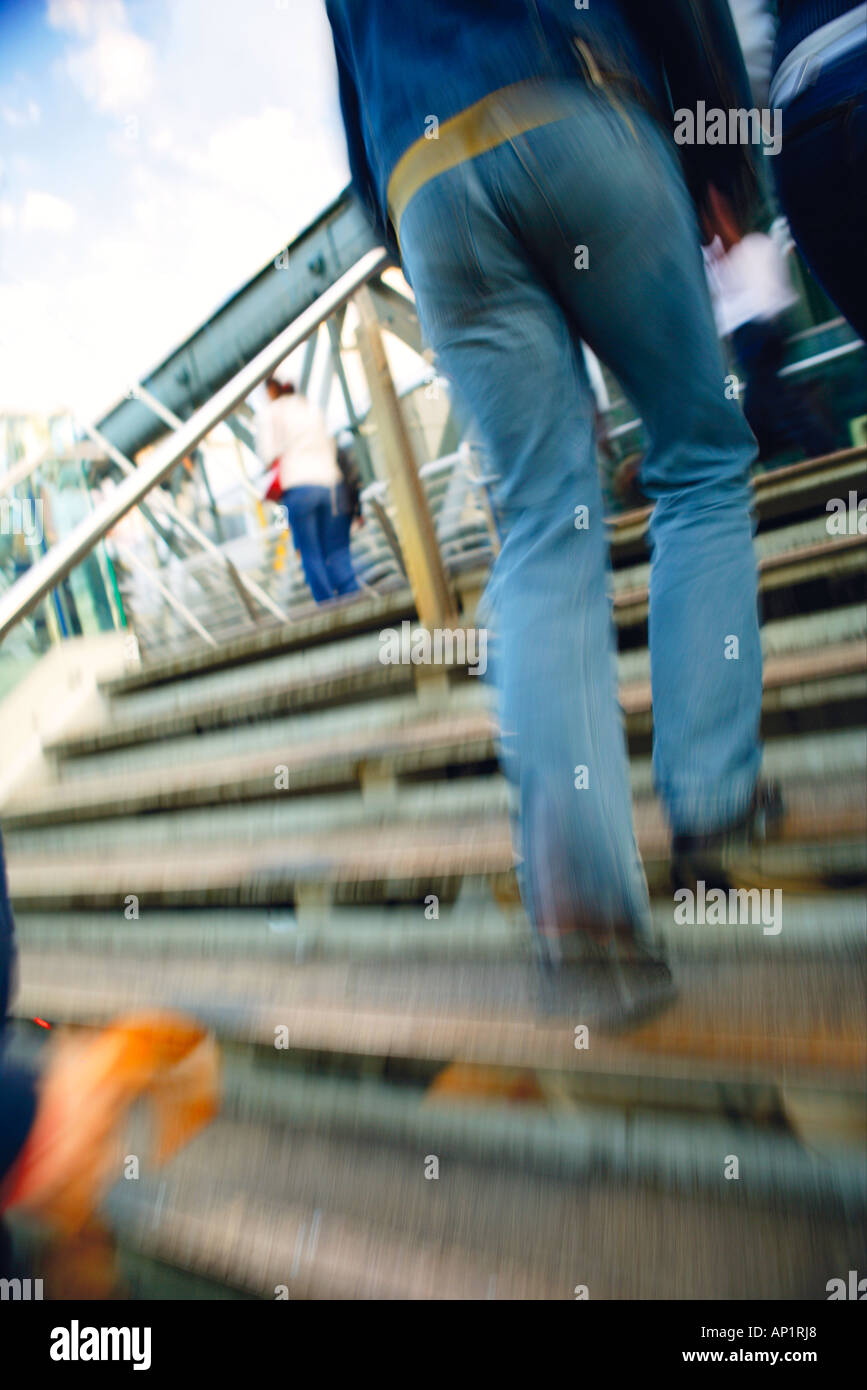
(749, 282)
(294, 432)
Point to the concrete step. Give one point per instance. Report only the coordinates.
(400, 860)
(471, 928)
(227, 716)
(778, 1021)
(338, 673)
(157, 746)
(345, 671)
(391, 1098)
(266, 1209)
(771, 546)
(327, 623)
(790, 681)
(796, 489)
(794, 762)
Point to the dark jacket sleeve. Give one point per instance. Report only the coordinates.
(363, 182)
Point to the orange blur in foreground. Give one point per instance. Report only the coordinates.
(73, 1151)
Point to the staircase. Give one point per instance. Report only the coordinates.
(311, 850)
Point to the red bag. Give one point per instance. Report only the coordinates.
(273, 491)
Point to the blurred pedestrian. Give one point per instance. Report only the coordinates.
(295, 438)
(820, 63)
(752, 296)
(519, 157)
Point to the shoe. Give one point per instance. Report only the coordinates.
(611, 983)
(729, 858)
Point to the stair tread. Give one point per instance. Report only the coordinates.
(452, 847)
(356, 1220)
(431, 731)
(774, 1018)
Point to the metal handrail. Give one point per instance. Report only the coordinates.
(243, 585)
(130, 559)
(27, 592)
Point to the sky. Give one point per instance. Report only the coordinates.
(154, 155)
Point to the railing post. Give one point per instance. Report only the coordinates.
(431, 590)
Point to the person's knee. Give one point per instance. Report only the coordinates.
(712, 449)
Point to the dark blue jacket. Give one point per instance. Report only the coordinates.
(399, 63)
(798, 18)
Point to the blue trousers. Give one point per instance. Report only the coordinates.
(583, 229)
(320, 529)
(779, 415)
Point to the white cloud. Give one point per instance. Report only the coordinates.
(27, 349)
(250, 158)
(21, 115)
(116, 72)
(45, 212)
(85, 16)
(161, 140)
(116, 69)
(38, 212)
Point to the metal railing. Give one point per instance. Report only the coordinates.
(47, 572)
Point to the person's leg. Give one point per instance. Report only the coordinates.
(776, 411)
(336, 527)
(760, 377)
(793, 422)
(821, 173)
(506, 343)
(612, 184)
(303, 506)
(814, 436)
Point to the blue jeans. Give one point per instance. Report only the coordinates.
(490, 248)
(819, 171)
(338, 558)
(321, 534)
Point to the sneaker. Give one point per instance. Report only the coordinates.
(729, 858)
(611, 983)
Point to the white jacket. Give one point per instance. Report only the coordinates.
(294, 432)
